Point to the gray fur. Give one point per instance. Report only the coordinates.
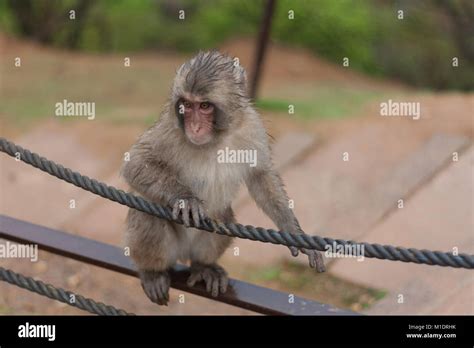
(165, 167)
(214, 75)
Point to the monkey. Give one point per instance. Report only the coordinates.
(173, 163)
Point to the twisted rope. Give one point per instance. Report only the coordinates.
(382, 252)
(58, 294)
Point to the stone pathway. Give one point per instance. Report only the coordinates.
(339, 199)
(346, 200)
(438, 217)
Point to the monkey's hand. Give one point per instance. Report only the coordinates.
(189, 207)
(315, 258)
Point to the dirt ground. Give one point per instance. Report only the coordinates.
(130, 105)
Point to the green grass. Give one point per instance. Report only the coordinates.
(29, 93)
(321, 102)
(5, 310)
(136, 95)
(316, 100)
(297, 278)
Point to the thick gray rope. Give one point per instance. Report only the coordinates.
(383, 252)
(58, 294)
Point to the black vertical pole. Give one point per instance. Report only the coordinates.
(262, 46)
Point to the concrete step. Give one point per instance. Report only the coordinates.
(35, 196)
(439, 217)
(286, 151)
(460, 301)
(341, 199)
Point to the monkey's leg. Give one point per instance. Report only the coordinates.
(154, 249)
(205, 251)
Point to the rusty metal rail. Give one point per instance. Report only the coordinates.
(240, 294)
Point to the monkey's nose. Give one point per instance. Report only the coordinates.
(196, 122)
(196, 127)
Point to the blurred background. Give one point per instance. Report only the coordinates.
(345, 166)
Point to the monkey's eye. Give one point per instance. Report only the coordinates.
(205, 105)
(187, 104)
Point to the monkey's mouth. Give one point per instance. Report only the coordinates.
(198, 128)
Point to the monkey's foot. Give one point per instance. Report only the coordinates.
(156, 286)
(315, 258)
(213, 275)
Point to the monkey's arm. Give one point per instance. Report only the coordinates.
(266, 188)
(157, 181)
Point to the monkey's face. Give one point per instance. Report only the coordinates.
(197, 119)
(207, 93)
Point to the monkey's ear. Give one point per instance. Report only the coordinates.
(240, 76)
(183, 68)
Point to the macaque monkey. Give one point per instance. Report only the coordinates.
(175, 163)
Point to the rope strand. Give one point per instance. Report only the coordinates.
(382, 252)
(58, 294)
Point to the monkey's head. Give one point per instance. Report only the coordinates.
(207, 94)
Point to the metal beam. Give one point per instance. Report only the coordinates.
(261, 48)
(239, 294)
